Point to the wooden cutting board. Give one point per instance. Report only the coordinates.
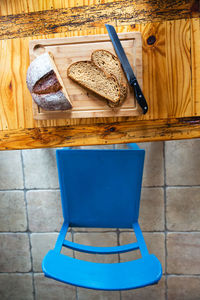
(69, 50)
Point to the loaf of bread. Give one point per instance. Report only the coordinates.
(95, 79)
(46, 85)
(110, 64)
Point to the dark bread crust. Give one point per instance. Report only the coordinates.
(123, 95)
(47, 84)
(43, 82)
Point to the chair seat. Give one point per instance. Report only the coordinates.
(102, 276)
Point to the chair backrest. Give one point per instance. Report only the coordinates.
(100, 188)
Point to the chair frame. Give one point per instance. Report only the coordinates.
(147, 270)
(140, 244)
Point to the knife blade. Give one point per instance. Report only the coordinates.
(127, 68)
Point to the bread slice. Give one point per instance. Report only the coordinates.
(45, 84)
(93, 78)
(110, 64)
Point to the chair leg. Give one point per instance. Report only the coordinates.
(140, 240)
(61, 237)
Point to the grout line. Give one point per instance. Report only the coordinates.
(58, 189)
(108, 231)
(30, 189)
(41, 273)
(171, 186)
(118, 242)
(130, 231)
(165, 220)
(76, 288)
(183, 275)
(27, 218)
(76, 291)
(183, 186)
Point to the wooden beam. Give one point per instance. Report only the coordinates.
(126, 132)
(119, 13)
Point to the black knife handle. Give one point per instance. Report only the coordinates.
(139, 95)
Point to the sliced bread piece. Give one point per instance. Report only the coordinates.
(46, 85)
(93, 78)
(109, 63)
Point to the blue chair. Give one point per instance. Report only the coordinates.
(101, 189)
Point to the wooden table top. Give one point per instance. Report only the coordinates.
(171, 70)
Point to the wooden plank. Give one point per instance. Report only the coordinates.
(120, 13)
(195, 63)
(167, 73)
(11, 7)
(85, 104)
(15, 100)
(178, 58)
(124, 132)
(155, 69)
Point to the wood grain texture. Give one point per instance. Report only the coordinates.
(169, 86)
(195, 64)
(171, 70)
(15, 99)
(10, 7)
(82, 17)
(80, 135)
(178, 52)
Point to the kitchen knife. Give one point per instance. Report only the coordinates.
(127, 68)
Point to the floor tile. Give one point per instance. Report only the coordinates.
(44, 210)
(183, 288)
(9, 161)
(87, 294)
(16, 287)
(182, 162)
(46, 288)
(152, 209)
(153, 165)
(153, 292)
(14, 252)
(40, 168)
(98, 147)
(106, 239)
(12, 211)
(183, 209)
(41, 243)
(155, 243)
(183, 253)
(87, 229)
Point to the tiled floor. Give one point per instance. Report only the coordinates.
(30, 218)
